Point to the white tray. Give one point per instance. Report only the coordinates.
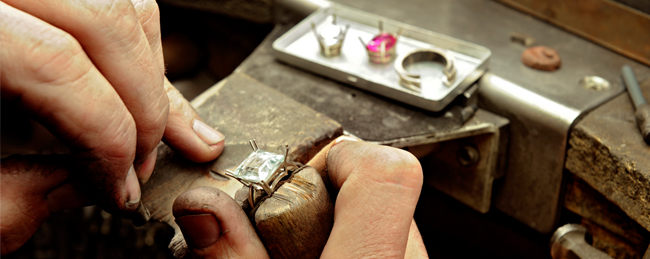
(299, 47)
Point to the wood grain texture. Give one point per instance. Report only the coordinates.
(295, 222)
(608, 153)
(242, 109)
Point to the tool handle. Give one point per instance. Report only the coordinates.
(632, 86)
(296, 221)
(643, 121)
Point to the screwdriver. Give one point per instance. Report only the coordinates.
(642, 107)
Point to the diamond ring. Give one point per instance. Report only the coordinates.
(262, 172)
(330, 37)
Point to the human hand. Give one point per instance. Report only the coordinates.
(378, 190)
(92, 73)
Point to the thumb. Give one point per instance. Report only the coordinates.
(33, 187)
(215, 226)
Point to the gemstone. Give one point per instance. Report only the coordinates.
(375, 44)
(331, 34)
(259, 166)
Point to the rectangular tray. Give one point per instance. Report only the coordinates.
(299, 47)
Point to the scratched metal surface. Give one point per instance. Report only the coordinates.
(531, 189)
(489, 24)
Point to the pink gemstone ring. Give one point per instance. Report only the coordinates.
(381, 49)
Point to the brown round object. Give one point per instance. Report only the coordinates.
(542, 58)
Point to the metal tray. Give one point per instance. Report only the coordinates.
(299, 47)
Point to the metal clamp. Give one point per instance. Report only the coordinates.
(413, 81)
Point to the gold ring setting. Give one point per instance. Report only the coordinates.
(262, 172)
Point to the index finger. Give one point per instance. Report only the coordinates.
(113, 38)
(47, 71)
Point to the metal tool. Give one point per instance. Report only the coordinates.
(523, 39)
(568, 241)
(641, 106)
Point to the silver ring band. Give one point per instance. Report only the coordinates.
(413, 81)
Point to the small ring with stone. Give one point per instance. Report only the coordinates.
(262, 172)
(382, 47)
(413, 81)
(330, 37)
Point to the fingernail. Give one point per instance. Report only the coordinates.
(207, 133)
(141, 215)
(200, 230)
(147, 167)
(344, 138)
(132, 187)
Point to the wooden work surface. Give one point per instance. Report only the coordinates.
(242, 109)
(608, 152)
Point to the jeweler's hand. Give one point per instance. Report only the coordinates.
(378, 190)
(92, 73)
(215, 226)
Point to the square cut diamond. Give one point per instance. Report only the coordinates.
(259, 166)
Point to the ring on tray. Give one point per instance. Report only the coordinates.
(414, 81)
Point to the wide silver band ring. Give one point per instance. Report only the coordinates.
(414, 81)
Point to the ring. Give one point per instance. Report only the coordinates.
(381, 49)
(262, 172)
(330, 38)
(414, 81)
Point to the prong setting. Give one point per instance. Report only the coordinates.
(381, 48)
(330, 37)
(253, 144)
(267, 181)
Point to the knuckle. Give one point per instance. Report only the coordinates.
(147, 10)
(118, 140)
(54, 56)
(398, 167)
(116, 15)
